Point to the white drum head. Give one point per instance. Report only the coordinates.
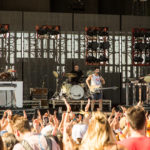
(76, 92)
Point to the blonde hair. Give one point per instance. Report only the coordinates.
(9, 141)
(21, 124)
(99, 133)
(1, 144)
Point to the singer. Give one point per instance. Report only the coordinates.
(94, 83)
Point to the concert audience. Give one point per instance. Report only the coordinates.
(125, 129)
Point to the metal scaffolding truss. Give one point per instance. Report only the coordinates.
(69, 46)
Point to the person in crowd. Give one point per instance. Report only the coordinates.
(71, 136)
(29, 140)
(136, 121)
(9, 141)
(148, 126)
(99, 135)
(79, 129)
(6, 122)
(1, 144)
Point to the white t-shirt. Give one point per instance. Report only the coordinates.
(95, 80)
(78, 131)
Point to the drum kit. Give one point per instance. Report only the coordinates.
(71, 90)
(75, 91)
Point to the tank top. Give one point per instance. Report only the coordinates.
(95, 80)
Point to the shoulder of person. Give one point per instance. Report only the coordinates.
(18, 146)
(55, 145)
(90, 75)
(121, 147)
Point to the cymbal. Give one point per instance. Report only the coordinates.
(55, 74)
(147, 79)
(70, 75)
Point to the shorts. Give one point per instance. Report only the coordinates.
(97, 96)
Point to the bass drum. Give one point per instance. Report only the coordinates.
(76, 92)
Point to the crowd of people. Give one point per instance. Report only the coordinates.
(128, 129)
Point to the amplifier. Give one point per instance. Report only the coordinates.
(44, 103)
(39, 93)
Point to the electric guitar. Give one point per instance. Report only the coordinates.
(98, 89)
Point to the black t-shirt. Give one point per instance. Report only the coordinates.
(77, 78)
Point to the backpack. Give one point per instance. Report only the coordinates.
(27, 146)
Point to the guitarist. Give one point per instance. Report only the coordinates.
(95, 80)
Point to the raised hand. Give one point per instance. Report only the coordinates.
(67, 105)
(24, 114)
(39, 115)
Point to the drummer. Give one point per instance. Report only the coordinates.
(78, 73)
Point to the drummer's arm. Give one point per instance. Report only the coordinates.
(87, 81)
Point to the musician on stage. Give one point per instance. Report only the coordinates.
(78, 74)
(95, 81)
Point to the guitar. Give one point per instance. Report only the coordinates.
(98, 89)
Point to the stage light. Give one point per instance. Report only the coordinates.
(138, 33)
(103, 31)
(50, 30)
(94, 31)
(140, 46)
(147, 34)
(137, 59)
(91, 31)
(104, 45)
(4, 28)
(97, 44)
(53, 30)
(41, 30)
(93, 45)
(103, 58)
(148, 46)
(91, 59)
(147, 59)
